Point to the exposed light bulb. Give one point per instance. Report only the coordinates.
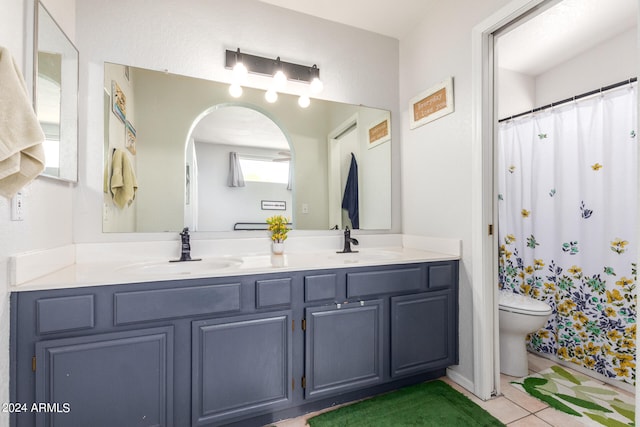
(240, 72)
(316, 86)
(279, 79)
(235, 90)
(304, 101)
(271, 96)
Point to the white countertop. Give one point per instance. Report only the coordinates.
(109, 270)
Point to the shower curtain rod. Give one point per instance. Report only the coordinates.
(573, 98)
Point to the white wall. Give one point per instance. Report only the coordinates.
(48, 219)
(190, 38)
(436, 157)
(611, 61)
(516, 93)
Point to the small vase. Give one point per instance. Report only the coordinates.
(277, 248)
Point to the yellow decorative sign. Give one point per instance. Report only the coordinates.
(380, 131)
(432, 104)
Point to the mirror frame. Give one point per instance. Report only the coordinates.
(70, 173)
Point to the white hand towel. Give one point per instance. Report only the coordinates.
(21, 137)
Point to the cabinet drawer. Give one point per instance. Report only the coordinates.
(65, 314)
(320, 287)
(382, 282)
(273, 292)
(141, 306)
(442, 275)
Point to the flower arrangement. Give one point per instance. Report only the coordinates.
(278, 228)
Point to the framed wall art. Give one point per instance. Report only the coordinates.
(379, 131)
(118, 101)
(431, 104)
(273, 205)
(130, 137)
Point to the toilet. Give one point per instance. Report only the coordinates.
(519, 315)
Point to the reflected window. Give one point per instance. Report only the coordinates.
(265, 170)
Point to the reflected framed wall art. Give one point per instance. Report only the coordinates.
(379, 131)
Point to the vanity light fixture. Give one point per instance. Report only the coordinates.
(279, 78)
(239, 76)
(239, 69)
(316, 85)
(280, 71)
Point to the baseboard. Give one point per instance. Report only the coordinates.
(461, 380)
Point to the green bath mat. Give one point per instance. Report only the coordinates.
(428, 404)
(578, 395)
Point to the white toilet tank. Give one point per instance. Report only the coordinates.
(522, 304)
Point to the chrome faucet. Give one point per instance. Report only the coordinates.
(185, 248)
(348, 240)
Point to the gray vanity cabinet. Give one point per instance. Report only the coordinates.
(240, 366)
(245, 350)
(344, 346)
(122, 378)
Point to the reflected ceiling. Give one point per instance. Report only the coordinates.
(240, 126)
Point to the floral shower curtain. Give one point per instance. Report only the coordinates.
(567, 208)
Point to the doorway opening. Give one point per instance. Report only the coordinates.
(486, 111)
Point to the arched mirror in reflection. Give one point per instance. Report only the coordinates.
(237, 156)
(150, 117)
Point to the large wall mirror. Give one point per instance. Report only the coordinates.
(56, 96)
(175, 147)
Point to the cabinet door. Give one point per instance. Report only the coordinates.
(240, 366)
(115, 379)
(344, 347)
(422, 332)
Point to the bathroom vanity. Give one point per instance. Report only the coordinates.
(237, 349)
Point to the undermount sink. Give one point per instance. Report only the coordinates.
(182, 268)
(365, 256)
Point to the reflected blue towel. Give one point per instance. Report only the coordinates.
(350, 198)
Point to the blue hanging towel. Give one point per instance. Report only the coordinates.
(350, 198)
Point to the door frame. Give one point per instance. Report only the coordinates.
(334, 177)
(486, 354)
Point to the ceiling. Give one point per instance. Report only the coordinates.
(562, 32)
(240, 126)
(389, 18)
(559, 33)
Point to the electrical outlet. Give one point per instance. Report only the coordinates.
(17, 207)
(105, 212)
(305, 208)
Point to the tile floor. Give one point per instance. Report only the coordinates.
(514, 407)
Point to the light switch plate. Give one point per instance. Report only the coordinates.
(17, 207)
